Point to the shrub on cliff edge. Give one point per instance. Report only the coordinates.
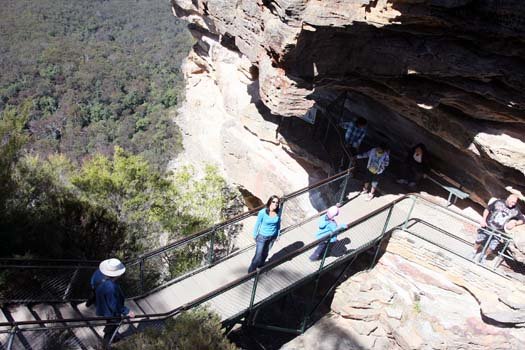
(198, 329)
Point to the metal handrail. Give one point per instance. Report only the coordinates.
(19, 263)
(224, 288)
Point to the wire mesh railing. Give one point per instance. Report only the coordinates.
(438, 225)
(245, 293)
(457, 232)
(61, 280)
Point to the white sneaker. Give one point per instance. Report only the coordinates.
(369, 197)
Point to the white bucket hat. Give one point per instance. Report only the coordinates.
(112, 267)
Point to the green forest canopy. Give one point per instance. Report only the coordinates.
(97, 74)
(87, 96)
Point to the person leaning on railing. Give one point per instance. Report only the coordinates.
(327, 226)
(109, 298)
(500, 214)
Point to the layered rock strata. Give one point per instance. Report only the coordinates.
(449, 73)
(419, 296)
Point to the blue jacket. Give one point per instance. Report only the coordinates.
(326, 227)
(109, 296)
(266, 225)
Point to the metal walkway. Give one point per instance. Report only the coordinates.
(222, 282)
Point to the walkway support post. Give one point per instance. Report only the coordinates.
(306, 316)
(252, 297)
(141, 267)
(387, 221)
(211, 252)
(409, 213)
(330, 290)
(12, 334)
(114, 334)
(345, 185)
(70, 284)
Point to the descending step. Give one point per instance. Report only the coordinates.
(4, 337)
(64, 337)
(26, 338)
(87, 335)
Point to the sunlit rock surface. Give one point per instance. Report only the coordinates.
(420, 297)
(449, 73)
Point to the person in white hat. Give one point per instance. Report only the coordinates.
(327, 225)
(109, 298)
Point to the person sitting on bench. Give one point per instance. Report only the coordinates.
(497, 215)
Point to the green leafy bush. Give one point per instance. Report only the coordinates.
(198, 329)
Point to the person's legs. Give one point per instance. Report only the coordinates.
(261, 252)
(319, 251)
(415, 174)
(109, 330)
(480, 241)
(266, 249)
(491, 249)
(375, 183)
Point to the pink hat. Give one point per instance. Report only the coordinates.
(332, 212)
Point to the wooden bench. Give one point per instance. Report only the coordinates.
(453, 192)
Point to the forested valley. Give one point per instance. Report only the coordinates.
(88, 93)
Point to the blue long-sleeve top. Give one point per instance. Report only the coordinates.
(266, 225)
(109, 296)
(326, 227)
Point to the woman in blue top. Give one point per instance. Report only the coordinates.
(266, 230)
(327, 225)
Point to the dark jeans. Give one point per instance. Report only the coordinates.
(263, 246)
(319, 251)
(414, 172)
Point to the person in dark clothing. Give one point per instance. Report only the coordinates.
(415, 166)
(500, 214)
(109, 298)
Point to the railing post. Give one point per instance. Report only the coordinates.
(485, 246)
(252, 298)
(114, 334)
(306, 316)
(70, 285)
(387, 221)
(141, 267)
(254, 289)
(211, 252)
(345, 184)
(500, 256)
(409, 213)
(12, 334)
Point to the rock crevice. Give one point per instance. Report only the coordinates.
(449, 73)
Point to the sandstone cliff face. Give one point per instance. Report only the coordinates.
(420, 297)
(450, 73)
